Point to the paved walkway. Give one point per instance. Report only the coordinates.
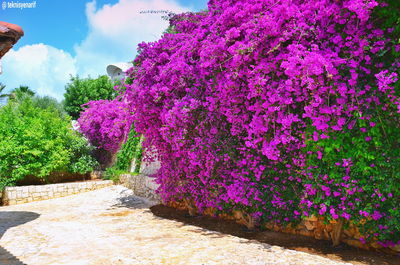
(111, 226)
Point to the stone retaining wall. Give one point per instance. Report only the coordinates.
(145, 186)
(141, 185)
(24, 194)
(316, 227)
(313, 226)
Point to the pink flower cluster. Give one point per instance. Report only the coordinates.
(243, 97)
(106, 123)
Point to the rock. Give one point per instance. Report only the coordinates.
(237, 214)
(376, 245)
(350, 232)
(210, 211)
(309, 225)
(318, 234)
(306, 233)
(313, 218)
(396, 248)
(289, 229)
(329, 228)
(356, 243)
(269, 226)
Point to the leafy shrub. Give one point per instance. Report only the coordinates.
(113, 173)
(80, 91)
(279, 109)
(36, 141)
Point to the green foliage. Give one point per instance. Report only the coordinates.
(2, 95)
(374, 167)
(37, 141)
(113, 173)
(47, 102)
(81, 160)
(20, 93)
(389, 16)
(131, 149)
(80, 91)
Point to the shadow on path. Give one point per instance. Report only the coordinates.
(131, 201)
(296, 242)
(10, 219)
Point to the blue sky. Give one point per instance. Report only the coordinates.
(78, 37)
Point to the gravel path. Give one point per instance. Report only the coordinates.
(111, 226)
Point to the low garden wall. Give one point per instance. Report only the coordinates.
(24, 194)
(315, 227)
(145, 186)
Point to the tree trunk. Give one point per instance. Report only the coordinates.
(191, 207)
(247, 219)
(336, 234)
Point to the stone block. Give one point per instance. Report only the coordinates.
(312, 218)
(319, 234)
(305, 232)
(309, 225)
(396, 248)
(356, 243)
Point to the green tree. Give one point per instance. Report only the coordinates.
(47, 102)
(37, 141)
(80, 91)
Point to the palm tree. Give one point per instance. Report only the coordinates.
(21, 92)
(3, 95)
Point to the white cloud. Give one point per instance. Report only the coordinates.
(43, 68)
(114, 33)
(116, 30)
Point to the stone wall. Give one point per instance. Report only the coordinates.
(316, 227)
(313, 226)
(145, 186)
(24, 194)
(141, 185)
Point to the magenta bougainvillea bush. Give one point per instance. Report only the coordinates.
(106, 123)
(281, 109)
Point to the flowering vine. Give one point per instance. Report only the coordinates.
(281, 109)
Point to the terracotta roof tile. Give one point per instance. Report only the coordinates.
(13, 27)
(9, 35)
